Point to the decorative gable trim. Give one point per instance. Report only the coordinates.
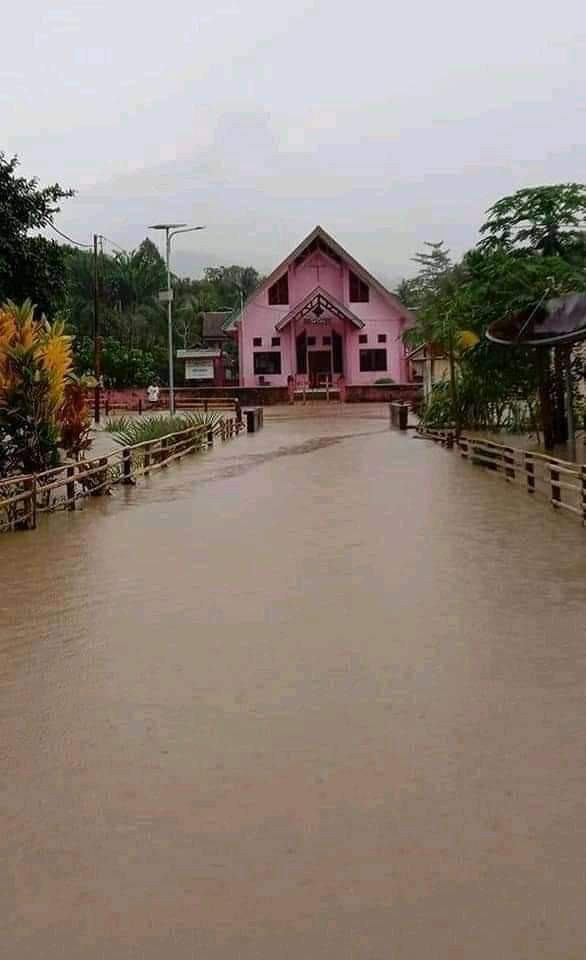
(317, 302)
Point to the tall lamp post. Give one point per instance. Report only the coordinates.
(171, 230)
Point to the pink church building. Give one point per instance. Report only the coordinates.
(321, 318)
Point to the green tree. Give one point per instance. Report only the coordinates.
(228, 283)
(133, 322)
(30, 267)
(547, 220)
(122, 366)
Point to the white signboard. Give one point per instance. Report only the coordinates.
(201, 369)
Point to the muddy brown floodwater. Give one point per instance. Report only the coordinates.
(318, 694)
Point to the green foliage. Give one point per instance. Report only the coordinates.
(531, 248)
(121, 366)
(35, 362)
(29, 266)
(231, 282)
(482, 405)
(128, 431)
(117, 424)
(429, 291)
(133, 322)
(548, 220)
(33, 443)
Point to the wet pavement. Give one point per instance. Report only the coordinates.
(316, 694)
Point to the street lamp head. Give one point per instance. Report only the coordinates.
(166, 226)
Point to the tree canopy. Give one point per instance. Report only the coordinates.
(531, 246)
(133, 322)
(547, 220)
(30, 266)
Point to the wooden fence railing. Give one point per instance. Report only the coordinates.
(23, 498)
(137, 401)
(562, 482)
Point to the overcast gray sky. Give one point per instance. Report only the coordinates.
(389, 124)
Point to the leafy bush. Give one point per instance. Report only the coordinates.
(75, 418)
(121, 366)
(35, 363)
(480, 408)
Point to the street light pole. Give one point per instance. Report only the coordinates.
(171, 230)
(97, 341)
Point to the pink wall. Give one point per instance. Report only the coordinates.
(259, 320)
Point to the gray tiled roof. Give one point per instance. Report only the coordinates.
(213, 324)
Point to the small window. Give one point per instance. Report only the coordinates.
(279, 292)
(311, 341)
(257, 342)
(363, 338)
(382, 338)
(359, 292)
(326, 341)
(276, 342)
(267, 363)
(373, 360)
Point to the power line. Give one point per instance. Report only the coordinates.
(76, 243)
(115, 245)
(87, 246)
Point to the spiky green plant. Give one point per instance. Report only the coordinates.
(131, 431)
(117, 424)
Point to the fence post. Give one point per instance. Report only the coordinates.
(509, 458)
(147, 459)
(450, 440)
(127, 466)
(530, 470)
(464, 447)
(584, 495)
(70, 487)
(164, 443)
(238, 411)
(31, 485)
(210, 437)
(103, 462)
(556, 493)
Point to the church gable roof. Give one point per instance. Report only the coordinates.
(321, 239)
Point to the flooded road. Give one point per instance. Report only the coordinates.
(317, 694)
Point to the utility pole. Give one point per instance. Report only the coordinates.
(97, 338)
